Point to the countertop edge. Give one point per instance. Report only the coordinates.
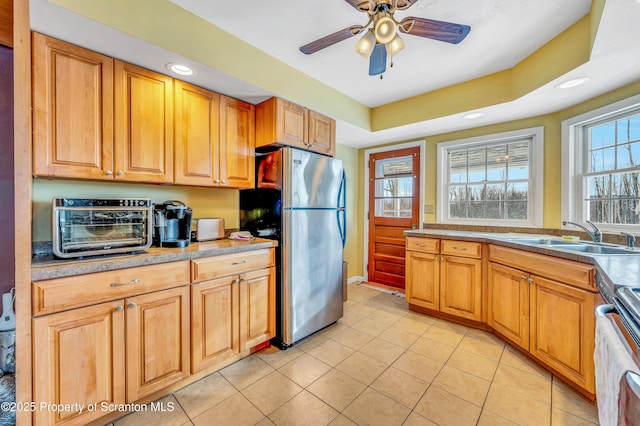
(60, 268)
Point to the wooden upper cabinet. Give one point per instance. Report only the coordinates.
(72, 111)
(237, 141)
(197, 133)
(322, 133)
(6, 22)
(144, 125)
(282, 122)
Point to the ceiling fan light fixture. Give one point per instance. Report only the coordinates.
(385, 30)
(395, 46)
(366, 44)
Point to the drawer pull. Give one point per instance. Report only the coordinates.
(460, 248)
(421, 244)
(136, 281)
(239, 263)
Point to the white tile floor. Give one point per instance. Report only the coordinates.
(380, 365)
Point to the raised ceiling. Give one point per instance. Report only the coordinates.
(428, 87)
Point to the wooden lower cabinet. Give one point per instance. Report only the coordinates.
(230, 315)
(422, 279)
(79, 358)
(158, 341)
(257, 307)
(508, 303)
(214, 322)
(563, 329)
(461, 287)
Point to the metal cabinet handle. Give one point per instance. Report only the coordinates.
(216, 181)
(119, 308)
(108, 173)
(441, 258)
(243, 279)
(436, 258)
(530, 280)
(460, 248)
(421, 245)
(239, 263)
(132, 305)
(120, 173)
(132, 282)
(223, 181)
(523, 278)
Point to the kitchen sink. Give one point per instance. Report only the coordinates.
(594, 249)
(544, 241)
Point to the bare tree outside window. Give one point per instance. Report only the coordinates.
(612, 182)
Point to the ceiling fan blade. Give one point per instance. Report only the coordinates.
(378, 60)
(405, 4)
(363, 5)
(436, 30)
(330, 40)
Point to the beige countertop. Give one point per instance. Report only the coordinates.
(48, 267)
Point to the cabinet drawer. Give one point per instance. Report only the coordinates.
(425, 245)
(230, 264)
(461, 249)
(71, 292)
(566, 271)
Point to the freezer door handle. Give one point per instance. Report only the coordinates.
(341, 216)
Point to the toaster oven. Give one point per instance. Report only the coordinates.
(89, 227)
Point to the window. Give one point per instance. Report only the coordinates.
(394, 187)
(601, 166)
(495, 179)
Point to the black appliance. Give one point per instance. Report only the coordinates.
(171, 224)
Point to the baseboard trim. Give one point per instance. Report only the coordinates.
(355, 280)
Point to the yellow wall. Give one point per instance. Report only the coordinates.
(552, 124)
(205, 202)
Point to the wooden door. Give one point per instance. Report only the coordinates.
(197, 128)
(79, 358)
(423, 279)
(144, 125)
(214, 322)
(72, 111)
(257, 307)
(563, 329)
(508, 303)
(461, 287)
(157, 341)
(322, 134)
(394, 206)
(6, 23)
(237, 142)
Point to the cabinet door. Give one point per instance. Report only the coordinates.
(508, 303)
(322, 134)
(79, 359)
(144, 125)
(72, 111)
(461, 287)
(280, 121)
(257, 307)
(214, 322)
(237, 142)
(196, 138)
(157, 341)
(563, 329)
(422, 283)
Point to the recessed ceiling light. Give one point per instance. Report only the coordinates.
(473, 115)
(572, 83)
(179, 69)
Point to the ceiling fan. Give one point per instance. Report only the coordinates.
(382, 38)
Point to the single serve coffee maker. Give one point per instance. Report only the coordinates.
(171, 224)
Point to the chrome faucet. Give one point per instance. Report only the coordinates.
(631, 240)
(595, 234)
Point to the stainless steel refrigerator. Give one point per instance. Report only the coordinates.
(300, 200)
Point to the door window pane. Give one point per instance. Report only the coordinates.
(394, 183)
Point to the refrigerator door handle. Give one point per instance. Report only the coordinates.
(341, 202)
(342, 225)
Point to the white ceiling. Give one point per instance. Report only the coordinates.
(503, 33)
